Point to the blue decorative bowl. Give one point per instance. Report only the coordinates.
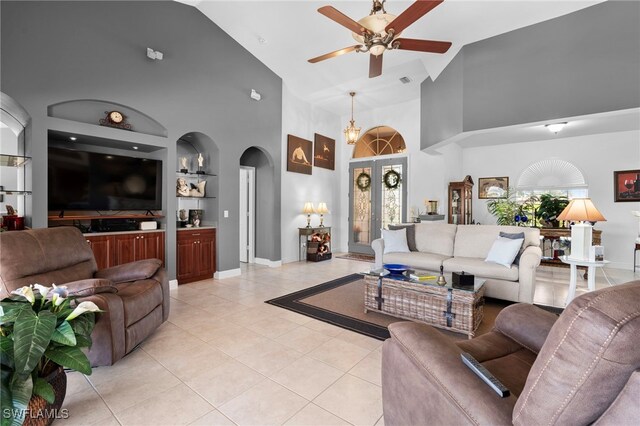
(395, 268)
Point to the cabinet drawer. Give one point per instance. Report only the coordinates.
(196, 233)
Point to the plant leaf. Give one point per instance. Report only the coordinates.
(64, 334)
(9, 311)
(83, 325)
(31, 336)
(5, 395)
(21, 390)
(6, 352)
(70, 357)
(83, 341)
(44, 389)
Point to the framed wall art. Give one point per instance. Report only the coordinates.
(324, 152)
(626, 185)
(298, 155)
(493, 187)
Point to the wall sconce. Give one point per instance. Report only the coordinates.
(322, 210)
(308, 210)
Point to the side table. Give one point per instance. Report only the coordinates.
(303, 239)
(634, 256)
(591, 273)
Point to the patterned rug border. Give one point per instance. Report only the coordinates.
(292, 302)
(357, 256)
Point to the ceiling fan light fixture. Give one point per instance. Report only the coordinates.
(352, 133)
(376, 24)
(377, 49)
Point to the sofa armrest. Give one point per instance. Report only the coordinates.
(378, 250)
(525, 324)
(91, 286)
(423, 377)
(132, 271)
(529, 261)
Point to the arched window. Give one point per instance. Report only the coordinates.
(554, 176)
(381, 140)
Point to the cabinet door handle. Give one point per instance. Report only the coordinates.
(142, 237)
(88, 241)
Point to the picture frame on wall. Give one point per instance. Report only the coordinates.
(493, 187)
(299, 155)
(626, 185)
(324, 152)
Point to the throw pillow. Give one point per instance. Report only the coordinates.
(411, 235)
(515, 236)
(395, 241)
(504, 251)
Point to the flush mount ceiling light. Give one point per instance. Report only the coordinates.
(351, 133)
(555, 127)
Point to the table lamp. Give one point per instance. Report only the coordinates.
(308, 210)
(322, 210)
(581, 210)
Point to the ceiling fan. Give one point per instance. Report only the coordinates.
(380, 31)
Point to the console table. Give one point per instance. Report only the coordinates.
(304, 234)
(549, 235)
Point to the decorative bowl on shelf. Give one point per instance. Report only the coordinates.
(395, 268)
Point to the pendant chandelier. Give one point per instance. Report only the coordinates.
(351, 133)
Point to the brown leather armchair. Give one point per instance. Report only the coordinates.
(580, 368)
(134, 296)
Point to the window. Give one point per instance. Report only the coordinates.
(381, 140)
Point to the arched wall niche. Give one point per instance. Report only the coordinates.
(379, 140)
(91, 111)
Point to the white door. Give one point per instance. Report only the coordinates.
(247, 214)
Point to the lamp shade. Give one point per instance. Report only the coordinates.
(308, 208)
(581, 209)
(322, 208)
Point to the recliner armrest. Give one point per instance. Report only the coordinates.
(89, 287)
(525, 324)
(132, 271)
(436, 386)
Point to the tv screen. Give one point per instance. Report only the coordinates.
(81, 180)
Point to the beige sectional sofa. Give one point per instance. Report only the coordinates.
(464, 248)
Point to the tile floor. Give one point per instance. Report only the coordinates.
(225, 357)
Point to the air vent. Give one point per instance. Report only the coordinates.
(405, 80)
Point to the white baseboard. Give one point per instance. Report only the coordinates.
(267, 262)
(173, 284)
(220, 275)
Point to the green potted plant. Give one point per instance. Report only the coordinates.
(41, 332)
(549, 209)
(504, 209)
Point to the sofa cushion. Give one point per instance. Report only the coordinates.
(411, 235)
(424, 261)
(504, 251)
(480, 268)
(395, 241)
(436, 238)
(476, 240)
(515, 236)
(139, 298)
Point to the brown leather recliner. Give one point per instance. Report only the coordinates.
(580, 368)
(134, 296)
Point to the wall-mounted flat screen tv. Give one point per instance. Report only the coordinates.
(81, 180)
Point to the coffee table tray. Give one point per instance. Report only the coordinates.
(443, 307)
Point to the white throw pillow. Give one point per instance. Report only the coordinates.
(504, 251)
(395, 241)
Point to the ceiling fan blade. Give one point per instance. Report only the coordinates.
(431, 46)
(412, 14)
(342, 19)
(375, 65)
(335, 53)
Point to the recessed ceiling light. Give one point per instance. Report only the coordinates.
(134, 147)
(555, 127)
(262, 40)
(108, 157)
(73, 138)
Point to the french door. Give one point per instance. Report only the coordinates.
(374, 203)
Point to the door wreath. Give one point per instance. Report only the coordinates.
(363, 181)
(391, 179)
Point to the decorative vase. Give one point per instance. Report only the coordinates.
(39, 411)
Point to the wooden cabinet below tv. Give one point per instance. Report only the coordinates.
(196, 254)
(119, 248)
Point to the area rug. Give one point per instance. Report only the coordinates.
(341, 302)
(357, 256)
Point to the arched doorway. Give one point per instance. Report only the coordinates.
(378, 191)
(257, 206)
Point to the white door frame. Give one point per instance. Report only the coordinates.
(247, 214)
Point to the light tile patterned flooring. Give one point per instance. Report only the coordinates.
(225, 357)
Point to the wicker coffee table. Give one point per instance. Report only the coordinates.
(405, 296)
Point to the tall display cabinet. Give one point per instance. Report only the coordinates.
(460, 202)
